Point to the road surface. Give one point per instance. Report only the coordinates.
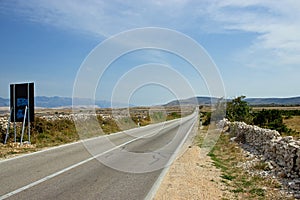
(124, 165)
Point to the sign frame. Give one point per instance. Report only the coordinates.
(22, 95)
(21, 108)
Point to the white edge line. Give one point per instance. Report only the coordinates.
(159, 180)
(64, 170)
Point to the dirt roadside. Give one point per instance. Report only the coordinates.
(192, 176)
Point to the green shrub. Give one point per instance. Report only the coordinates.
(271, 119)
(239, 110)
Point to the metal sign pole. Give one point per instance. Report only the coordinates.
(14, 106)
(8, 126)
(29, 103)
(23, 128)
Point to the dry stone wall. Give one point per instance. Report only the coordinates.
(283, 152)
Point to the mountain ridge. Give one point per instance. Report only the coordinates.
(285, 101)
(56, 101)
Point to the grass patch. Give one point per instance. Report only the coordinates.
(258, 191)
(227, 177)
(173, 115)
(238, 190)
(217, 162)
(260, 166)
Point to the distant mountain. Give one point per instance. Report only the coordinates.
(4, 102)
(51, 102)
(274, 101)
(252, 101)
(54, 102)
(193, 101)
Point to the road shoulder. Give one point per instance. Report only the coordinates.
(192, 176)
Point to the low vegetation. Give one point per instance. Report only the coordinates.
(293, 123)
(50, 133)
(284, 120)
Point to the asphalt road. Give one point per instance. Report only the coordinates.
(125, 165)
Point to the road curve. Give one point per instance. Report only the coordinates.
(119, 166)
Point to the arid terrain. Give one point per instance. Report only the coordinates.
(227, 172)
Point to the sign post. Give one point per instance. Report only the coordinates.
(22, 107)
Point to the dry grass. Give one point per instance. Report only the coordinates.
(12, 149)
(276, 108)
(293, 123)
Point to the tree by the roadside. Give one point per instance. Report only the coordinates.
(239, 110)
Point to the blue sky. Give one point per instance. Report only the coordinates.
(255, 44)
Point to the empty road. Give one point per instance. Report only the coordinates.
(124, 165)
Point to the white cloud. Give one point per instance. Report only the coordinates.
(275, 22)
(98, 17)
